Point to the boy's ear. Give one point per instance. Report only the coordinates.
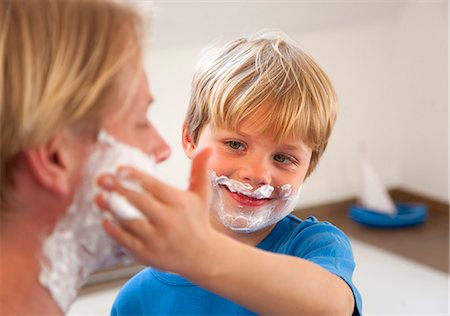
(188, 145)
(54, 164)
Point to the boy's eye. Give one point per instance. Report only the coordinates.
(282, 158)
(233, 144)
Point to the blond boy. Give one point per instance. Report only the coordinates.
(266, 110)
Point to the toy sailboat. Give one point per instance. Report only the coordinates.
(376, 207)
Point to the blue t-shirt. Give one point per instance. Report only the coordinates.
(154, 292)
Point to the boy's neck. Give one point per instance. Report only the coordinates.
(251, 239)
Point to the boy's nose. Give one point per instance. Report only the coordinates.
(255, 173)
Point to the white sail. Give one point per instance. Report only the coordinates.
(374, 195)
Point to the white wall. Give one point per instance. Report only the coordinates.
(358, 61)
(420, 90)
(391, 77)
(388, 62)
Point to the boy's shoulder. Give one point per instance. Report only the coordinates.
(133, 297)
(293, 231)
(135, 283)
(317, 241)
(309, 221)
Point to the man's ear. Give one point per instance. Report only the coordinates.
(53, 163)
(188, 144)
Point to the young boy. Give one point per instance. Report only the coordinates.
(267, 110)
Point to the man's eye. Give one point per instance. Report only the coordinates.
(235, 145)
(142, 125)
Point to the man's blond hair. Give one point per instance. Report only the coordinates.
(59, 61)
(239, 79)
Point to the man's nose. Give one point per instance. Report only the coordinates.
(160, 150)
(255, 171)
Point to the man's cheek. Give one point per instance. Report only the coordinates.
(78, 246)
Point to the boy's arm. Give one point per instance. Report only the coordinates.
(269, 283)
(178, 237)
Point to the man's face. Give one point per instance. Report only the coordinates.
(77, 245)
(133, 126)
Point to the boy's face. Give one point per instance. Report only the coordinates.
(252, 158)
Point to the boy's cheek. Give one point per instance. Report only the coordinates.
(219, 159)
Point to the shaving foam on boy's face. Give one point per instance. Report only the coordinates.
(78, 246)
(260, 207)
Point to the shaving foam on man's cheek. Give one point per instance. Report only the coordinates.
(124, 154)
(122, 208)
(78, 246)
(119, 205)
(246, 219)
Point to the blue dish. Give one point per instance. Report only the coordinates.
(408, 214)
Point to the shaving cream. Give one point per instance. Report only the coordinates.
(78, 246)
(247, 219)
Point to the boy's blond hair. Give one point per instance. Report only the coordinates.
(59, 61)
(247, 74)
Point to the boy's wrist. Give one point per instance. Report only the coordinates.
(210, 260)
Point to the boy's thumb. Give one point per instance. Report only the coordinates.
(199, 182)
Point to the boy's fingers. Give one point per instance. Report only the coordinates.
(199, 182)
(138, 229)
(160, 190)
(141, 229)
(101, 201)
(144, 202)
(123, 237)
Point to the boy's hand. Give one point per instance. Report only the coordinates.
(177, 232)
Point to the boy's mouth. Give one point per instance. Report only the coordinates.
(245, 200)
